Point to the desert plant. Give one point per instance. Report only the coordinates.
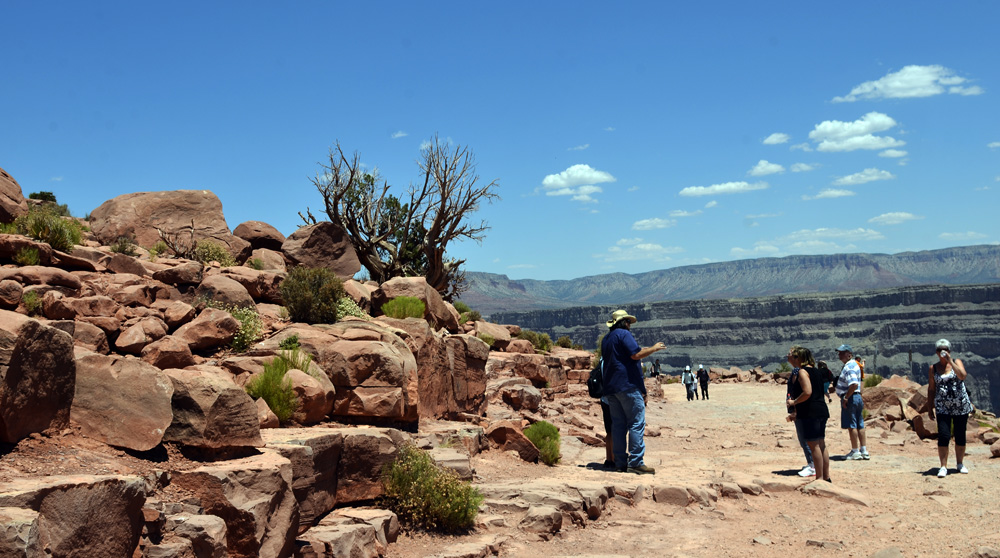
(872, 380)
(206, 251)
(255, 263)
(404, 307)
(541, 341)
(564, 342)
(487, 338)
(275, 389)
(251, 327)
(783, 367)
(545, 436)
(32, 302)
(9, 228)
(426, 496)
(157, 249)
(27, 256)
(289, 343)
(347, 307)
(462, 307)
(45, 225)
(470, 316)
(50, 203)
(124, 245)
(311, 295)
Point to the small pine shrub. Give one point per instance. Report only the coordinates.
(470, 316)
(564, 342)
(206, 251)
(462, 307)
(872, 380)
(404, 307)
(124, 245)
(487, 338)
(347, 307)
(545, 436)
(427, 496)
(32, 302)
(541, 341)
(9, 228)
(311, 295)
(276, 390)
(255, 263)
(159, 248)
(45, 225)
(289, 343)
(27, 256)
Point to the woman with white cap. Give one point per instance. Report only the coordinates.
(948, 398)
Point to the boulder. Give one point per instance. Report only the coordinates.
(41, 275)
(385, 522)
(12, 202)
(207, 533)
(522, 397)
(366, 452)
(175, 312)
(899, 382)
(120, 263)
(520, 346)
(186, 215)
(261, 285)
(360, 293)
(543, 371)
(56, 306)
(315, 395)
(168, 352)
(11, 244)
(336, 538)
(81, 515)
(223, 289)
(439, 313)
(211, 413)
(19, 533)
(885, 401)
(212, 328)
(140, 334)
(122, 402)
(508, 437)
(260, 235)
(186, 273)
(542, 519)
(499, 333)
(36, 389)
(265, 416)
(270, 260)
(324, 244)
(10, 294)
(925, 426)
(133, 295)
(85, 335)
(315, 454)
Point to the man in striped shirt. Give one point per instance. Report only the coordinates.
(851, 404)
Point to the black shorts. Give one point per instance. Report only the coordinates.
(813, 429)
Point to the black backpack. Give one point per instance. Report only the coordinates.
(595, 383)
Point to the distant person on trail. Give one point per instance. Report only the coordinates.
(656, 368)
(808, 410)
(687, 378)
(625, 392)
(703, 380)
(949, 400)
(851, 404)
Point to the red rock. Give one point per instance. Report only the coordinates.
(175, 312)
(360, 293)
(260, 235)
(10, 294)
(499, 333)
(508, 437)
(266, 416)
(168, 352)
(521, 346)
(439, 313)
(140, 334)
(315, 454)
(11, 244)
(270, 260)
(41, 275)
(210, 412)
(925, 426)
(56, 306)
(133, 295)
(84, 335)
(12, 202)
(262, 285)
(324, 244)
(184, 273)
(120, 263)
(315, 397)
(223, 289)
(212, 328)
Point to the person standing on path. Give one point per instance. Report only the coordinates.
(948, 398)
(687, 378)
(703, 380)
(808, 409)
(625, 392)
(851, 404)
(656, 369)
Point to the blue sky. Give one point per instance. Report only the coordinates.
(624, 136)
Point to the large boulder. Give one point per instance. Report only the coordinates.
(41, 275)
(122, 402)
(168, 352)
(212, 328)
(12, 202)
(439, 313)
(19, 533)
(211, 412)
(324, 244)
(11, 244)
(139, 215)
(260, 235)
(315, 454)
(261, 285)
(37, 380)
(223, 289)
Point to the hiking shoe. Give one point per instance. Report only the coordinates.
(807, 471)
(608, 464)
(963, 469)
(865, 456)
(942, 472)
(642, 470)
(854, 455)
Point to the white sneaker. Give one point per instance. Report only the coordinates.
(942, 472)
(807, 471)
(865, 456)
(854, 455)
(963, 469)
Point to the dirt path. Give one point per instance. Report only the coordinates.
(736, 433)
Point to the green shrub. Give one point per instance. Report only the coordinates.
(275, 389)
(289, 343)
(564, 342)
(470, 316)
(404, 307)
(9, 228)
(311, 295)
(32, 302)
(545, 436)
(206, 251)
(45, 225)
(347, 307)
(783, 367)
(541, 341)
(159, 248)
(673, 380)
(251, 327)
(255, 263)
(462, 307)
(124, 245)
(27, 256)
(426, 496)
(50, 203)
(871, 380)
(487, 338)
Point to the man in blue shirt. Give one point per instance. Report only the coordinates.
(625, 392)
(851, 405)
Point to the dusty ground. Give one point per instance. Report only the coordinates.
(737, 430)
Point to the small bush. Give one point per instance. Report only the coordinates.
(206, 251)
(426, 496)
(27, 256)
(9, 228)
(159, 248)
(289, 343)
(311, 295)
(462, 307)
(470, 316)
(541, 341)
(255, 263)
(673, 380)
(347, 307)
(487, 338)
(404, 307)
(124, 245)
(871, 380)
(45, 225)
(32, 302)
(251, 325)
(545, 436)
(276, 390)
(783, 367)
(564, 342)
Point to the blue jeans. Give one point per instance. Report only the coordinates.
(628, 415)
(851, 414)
(802, 442)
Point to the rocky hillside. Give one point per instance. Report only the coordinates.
(489, 293)
(894, 329)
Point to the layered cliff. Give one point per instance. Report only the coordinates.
(893, 329)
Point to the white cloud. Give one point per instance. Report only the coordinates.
(804, 167)
(811, 241)
(894, 218)
(911, 82)
(578, 181)
(829, 193)
(776, 138)
(763, 215)
(56, 179)
(962, 236)
(399, 134)
(628, 241)
(837, 135)
(714, 203)
(867, 175)
(632, 249)
(609, 129)
(893, 153)
(650, 224)
(993, 144)
(801, 147)
(426, 144)
(579, 147)
(682, 213)
(760, 250)
(764, 168)
(632, 189)
(725, 188)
